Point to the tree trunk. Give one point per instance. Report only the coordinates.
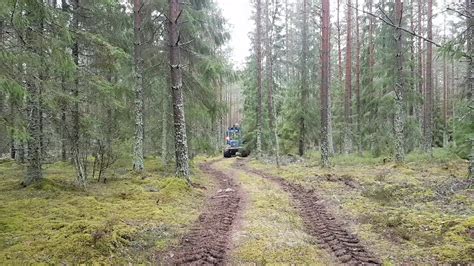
(269, 54)
(357, 85)
(34, 167)
(12, 131)
(64, 129)
(399, 122)
(75, 113)
(304, 79)
(470, 44)
(348, 84)
(339, 50)
(164, 127)
(34, 171)
(138, 161)
(181, 142)
(371, 48)
(325, 68)
(428, 110)
(420, 107)
(470, 73)
(445, 102)
(258, 45)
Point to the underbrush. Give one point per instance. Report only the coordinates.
(419, 212)
(128, 219)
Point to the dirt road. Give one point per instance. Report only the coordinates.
(320, 224)
(209, 240)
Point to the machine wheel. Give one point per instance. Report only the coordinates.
(227, 154)
(244, 152)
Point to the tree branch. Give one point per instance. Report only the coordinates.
(398, 27)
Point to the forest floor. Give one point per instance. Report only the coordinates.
(244, 211)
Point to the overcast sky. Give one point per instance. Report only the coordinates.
(238, 14)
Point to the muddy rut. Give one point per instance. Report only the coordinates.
(320, 224)
(208, 241)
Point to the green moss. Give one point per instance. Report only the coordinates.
(125, 220)
(416, 213)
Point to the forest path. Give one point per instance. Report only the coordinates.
(320, 223)
(209, 240)
(270, 230)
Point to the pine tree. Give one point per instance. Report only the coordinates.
(304, 80)
(258, 45)
(181, 145)
(348, 84)
(325, 70)
(138, 161)
(399, 122)
(428, 105)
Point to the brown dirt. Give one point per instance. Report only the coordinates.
(208, 241)
(321, 224)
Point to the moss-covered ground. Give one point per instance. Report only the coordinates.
(271, 231)
(419, 212)
(128, 219)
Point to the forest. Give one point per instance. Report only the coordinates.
(129, 134)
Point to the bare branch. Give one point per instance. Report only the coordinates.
(398, 27)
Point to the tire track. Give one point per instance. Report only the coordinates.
(321, 224)
(208, 241)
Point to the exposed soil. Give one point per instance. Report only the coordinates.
(209, 239)
(321, 224)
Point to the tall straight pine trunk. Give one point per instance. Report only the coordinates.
(348, 84)
(258, 45)
(138, 161)
(470, 72)
(181, 142)
(357, 85)
(399, 122)
(325, 68)
(269, 54)
(34, 157)
(428, 106)
(77, 156)
(304, 80)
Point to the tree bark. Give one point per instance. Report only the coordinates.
(181, 142)
(470, 73)
(258, 45)
(357, 85)
(325, 68)
(399, 122)
(348, 84)
(269, 54)
(164, 127)
(138, 161)
(371, 48)
(428, 110)
(12, 119)
(75, 114)
(34, 171)
(304, 80)
(420, 109)
(339, 50)
(63, 123)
